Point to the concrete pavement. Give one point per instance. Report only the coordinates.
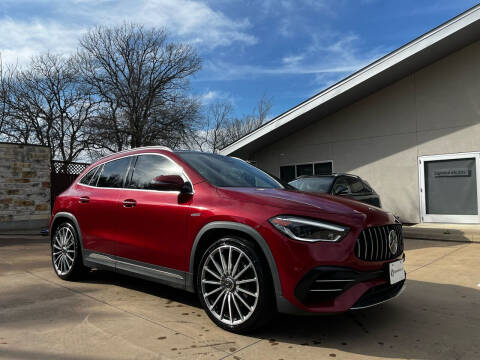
(109, 316)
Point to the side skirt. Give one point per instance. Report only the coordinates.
(160, 274)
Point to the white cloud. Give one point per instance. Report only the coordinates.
(65, 20)
(190, 19)
(275, 6)
(293, 59)
(327, 56)
(227, 71)
(213, 95)
(19, 40)
(209, 97)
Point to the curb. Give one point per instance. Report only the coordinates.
(439, 234)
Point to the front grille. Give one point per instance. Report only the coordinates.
(372, 244)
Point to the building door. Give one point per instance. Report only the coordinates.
(449, 188)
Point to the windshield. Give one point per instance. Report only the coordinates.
(223, 171)
(313, 184)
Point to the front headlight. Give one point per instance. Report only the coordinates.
(308, 230)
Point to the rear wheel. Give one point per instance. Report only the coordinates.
(234, 286)
(66, 253)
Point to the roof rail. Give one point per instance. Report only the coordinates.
(332, 174)
(138, 148)
(347, 174)
(157, 147)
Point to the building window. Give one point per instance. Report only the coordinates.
(304, 169)
(291, 172)
(323, 168)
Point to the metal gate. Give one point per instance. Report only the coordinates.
(62, 175)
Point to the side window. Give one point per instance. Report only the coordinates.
(341, 182)
(148, 167)
(297, 184)
(356, 185)
(113, 173)
(87, 179)
(287, 173)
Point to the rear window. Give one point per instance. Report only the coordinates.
(87, 179)
(357, 186)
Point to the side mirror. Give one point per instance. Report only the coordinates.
(340, 190)
(168, 183)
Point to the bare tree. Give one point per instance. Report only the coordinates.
(239, 127)
(220, 128)
(211, 135)
(4, 80)
(140, 78)
(46, 104)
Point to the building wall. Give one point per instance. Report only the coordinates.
(24, 186)
(435, 110)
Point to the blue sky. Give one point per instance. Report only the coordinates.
(288, 50)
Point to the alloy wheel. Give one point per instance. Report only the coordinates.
(230, 286)
(63, 251)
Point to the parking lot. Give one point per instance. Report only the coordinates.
(109, 316)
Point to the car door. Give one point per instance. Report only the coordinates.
(98, 205)
(152, 223)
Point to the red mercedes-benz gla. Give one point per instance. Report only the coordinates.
(247, 244)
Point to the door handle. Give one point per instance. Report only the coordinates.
(129, 203)
(83, 199)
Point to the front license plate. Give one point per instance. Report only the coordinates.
(396, 271)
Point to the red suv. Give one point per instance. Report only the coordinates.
(215, 225)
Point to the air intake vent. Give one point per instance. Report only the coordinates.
(376, 244)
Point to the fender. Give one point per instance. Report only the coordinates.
(242, 228)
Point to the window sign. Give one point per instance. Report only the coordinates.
(451, 172)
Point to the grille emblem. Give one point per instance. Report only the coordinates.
(393, 242)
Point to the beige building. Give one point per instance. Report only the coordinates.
(409, 123)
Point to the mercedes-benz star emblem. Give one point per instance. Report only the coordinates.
(393, 242)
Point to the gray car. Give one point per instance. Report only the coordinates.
(345, 185)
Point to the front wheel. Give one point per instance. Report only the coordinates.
(234, 287)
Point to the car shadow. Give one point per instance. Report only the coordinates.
(428, 321)
(145, 286)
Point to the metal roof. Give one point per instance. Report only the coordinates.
(454, 34)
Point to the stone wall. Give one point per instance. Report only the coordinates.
(24, 186)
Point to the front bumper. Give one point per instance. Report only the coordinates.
(379, 294)
(348, 269)
(340, 288)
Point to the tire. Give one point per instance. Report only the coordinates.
(66, 253)
(236, 292)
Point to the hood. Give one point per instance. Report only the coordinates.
(297, 201)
